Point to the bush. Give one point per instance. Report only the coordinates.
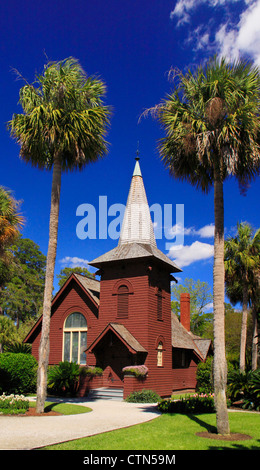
(137, 371)
(18, 373)
(143, 396)
(191, 404)
(245, 387)
(18, 347)
(253, 400)
(238, 385)
(13, 404)
(63, 379)
(92, 371)
(205, 376)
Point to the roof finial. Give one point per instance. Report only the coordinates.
(137, 152)
(137, 170)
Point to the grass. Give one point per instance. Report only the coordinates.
(63, 408)
(172, 432)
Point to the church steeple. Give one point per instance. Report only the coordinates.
(137, 224)
(137, 240)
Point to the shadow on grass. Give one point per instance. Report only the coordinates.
(213, 429)
(203, 424)
(235, 446)
(50, 407)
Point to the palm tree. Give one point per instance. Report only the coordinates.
(10, 219)
(211, 124)
(62, 128)
(242, 262)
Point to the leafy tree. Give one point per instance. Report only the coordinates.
(211, 124)
(62, 127)
(242, 262)
(200, 297)
(21, 298)
(7, 331)
(66, 272)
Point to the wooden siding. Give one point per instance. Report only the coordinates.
(73, 300)
(143, 281)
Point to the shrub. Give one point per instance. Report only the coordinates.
(205, 376)
(18, 347)
(92, 371)
(18, 373)
(137, 371)
(63, 379)
(13, 404)
(252, 400)
(143, 396)
(191, 404)
(238, 384)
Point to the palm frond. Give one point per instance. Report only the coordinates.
(63, 114)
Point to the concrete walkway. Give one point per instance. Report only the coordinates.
(30, 432)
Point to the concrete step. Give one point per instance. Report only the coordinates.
(107, 394)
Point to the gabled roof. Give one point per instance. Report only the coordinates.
(90, 286)
(123, 334)
(137, 238)
(183, 339)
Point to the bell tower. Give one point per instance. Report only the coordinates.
(135, 296)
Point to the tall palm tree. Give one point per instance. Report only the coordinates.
(211, 124)
(242, 263)
(62, 128)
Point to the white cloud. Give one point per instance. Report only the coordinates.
(207, 231)
(204, 232)
(244, 38)
(228, 39)
(179, 229)
(184, 255)
(184, 8)
(73, 262)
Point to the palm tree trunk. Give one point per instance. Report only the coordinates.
(255, 339)
(242, 364)
(50, 265)
(220, 365)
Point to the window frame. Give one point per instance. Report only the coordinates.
(71, 330)
(160, 350)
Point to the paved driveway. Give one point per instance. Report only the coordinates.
(30, 432)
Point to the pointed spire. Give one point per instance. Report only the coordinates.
(137, 224)
(137, 240)
(137, 169)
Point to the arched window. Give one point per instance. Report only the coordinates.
(122, 301)
(75, 338)
(160, 354)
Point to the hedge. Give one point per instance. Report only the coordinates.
(18, 373)
(190, 404)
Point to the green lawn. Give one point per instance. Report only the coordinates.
(63, 408)
(172, 432)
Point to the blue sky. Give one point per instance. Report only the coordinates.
(131, 45)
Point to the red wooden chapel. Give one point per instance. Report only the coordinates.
(125, 319)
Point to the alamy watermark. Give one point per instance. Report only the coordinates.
(103, 222)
